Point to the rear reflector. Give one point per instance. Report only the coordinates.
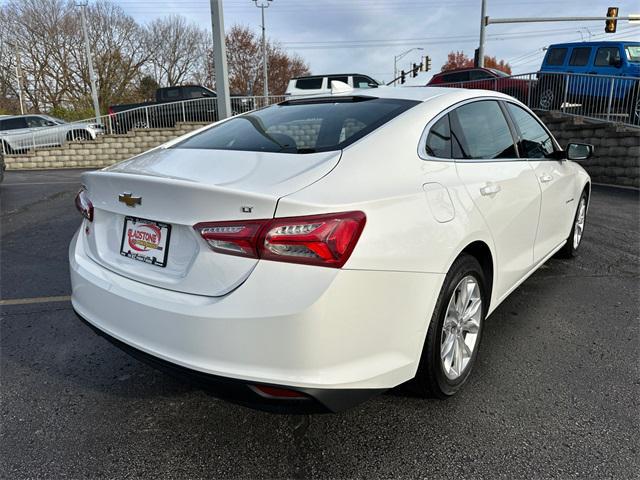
(325, 240)
(84, 205)
(273, 392)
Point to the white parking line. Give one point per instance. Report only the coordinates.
(41, 183)
(30, 301)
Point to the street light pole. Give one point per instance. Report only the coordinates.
(398, 57)
(483, 26)
(92, 73)
(262, 4)
(19, 78)
(220, 60)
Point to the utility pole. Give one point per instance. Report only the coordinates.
(92, 74)
(262, 4)
(483, 26)
(220, 60)
(19, 78)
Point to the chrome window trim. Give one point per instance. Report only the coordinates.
(422, 144)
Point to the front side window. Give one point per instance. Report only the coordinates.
(580, 56)
(556, 56)
(439, 139)
(535, 142)
(301, 126)
(479, 75)
(362, 82)
(455, 77)
(633, 52)
(607, 57)
(36, 122)
(479, 130)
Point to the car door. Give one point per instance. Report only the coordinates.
(502, 186)
(579, 84)
(41, 136)
(555, 177)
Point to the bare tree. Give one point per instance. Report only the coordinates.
(178, 49)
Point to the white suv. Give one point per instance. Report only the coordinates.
(322, 83)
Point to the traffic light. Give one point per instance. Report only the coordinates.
(610, 25)
(403, 77)
(427, 63)
(414, 70)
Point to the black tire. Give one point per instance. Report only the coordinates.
(6, 149)
(632, 101)
(570, 249)
(431, 380)
(75, 135)
(549, 92)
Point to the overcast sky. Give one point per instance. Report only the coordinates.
(363, 36)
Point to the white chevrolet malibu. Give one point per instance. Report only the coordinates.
(314, 253)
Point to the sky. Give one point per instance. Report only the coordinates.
(344, 36)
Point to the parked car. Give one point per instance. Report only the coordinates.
(321, 84)
(589, 72)
(314, 253)
(20, 133)
(484, 79)
(185, 103)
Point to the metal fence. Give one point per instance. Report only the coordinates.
(121, 122)
(606, 98)
(600, 97)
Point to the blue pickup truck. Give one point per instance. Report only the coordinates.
(590, 73)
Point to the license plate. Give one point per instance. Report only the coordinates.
(145, 240)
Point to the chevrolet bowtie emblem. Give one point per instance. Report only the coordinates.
(129, 199)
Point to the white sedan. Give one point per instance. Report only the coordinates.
(314, 253)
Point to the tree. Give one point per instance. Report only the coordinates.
(178, 50)
(458, 59)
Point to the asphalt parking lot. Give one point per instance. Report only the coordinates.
(556, 391)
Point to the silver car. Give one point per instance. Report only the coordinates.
(20, 133)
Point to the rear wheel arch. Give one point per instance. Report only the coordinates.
(482, 253)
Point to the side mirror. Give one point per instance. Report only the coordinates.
(579, 151)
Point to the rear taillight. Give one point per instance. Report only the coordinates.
(325, 240)
(84, 205)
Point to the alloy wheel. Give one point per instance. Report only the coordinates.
(459, 336)
(578, 227)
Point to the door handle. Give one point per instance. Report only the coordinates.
(545, 178)
(490, 189)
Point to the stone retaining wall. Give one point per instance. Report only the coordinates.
(104, 151)
(616, 160)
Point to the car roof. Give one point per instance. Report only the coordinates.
(604, 43)
(332, 75)
(417, 93)
(464, 69)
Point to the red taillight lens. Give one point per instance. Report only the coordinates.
(325, 240)
(84, 205)
(233, 238)
(274, 392)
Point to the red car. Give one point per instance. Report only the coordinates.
(485, 79)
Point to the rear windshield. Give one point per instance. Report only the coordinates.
(301, 126)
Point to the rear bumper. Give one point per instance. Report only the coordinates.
(300, 327)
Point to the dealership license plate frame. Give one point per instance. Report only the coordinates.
(141, 257)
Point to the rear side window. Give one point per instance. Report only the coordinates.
(479, 130)
(439, 139)
(309, 83)
(13, 123)
(556, 56)
(580, 56)
(171, 93)
(301, 126)
(535, 142)
(455, 77)
(607, 57)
